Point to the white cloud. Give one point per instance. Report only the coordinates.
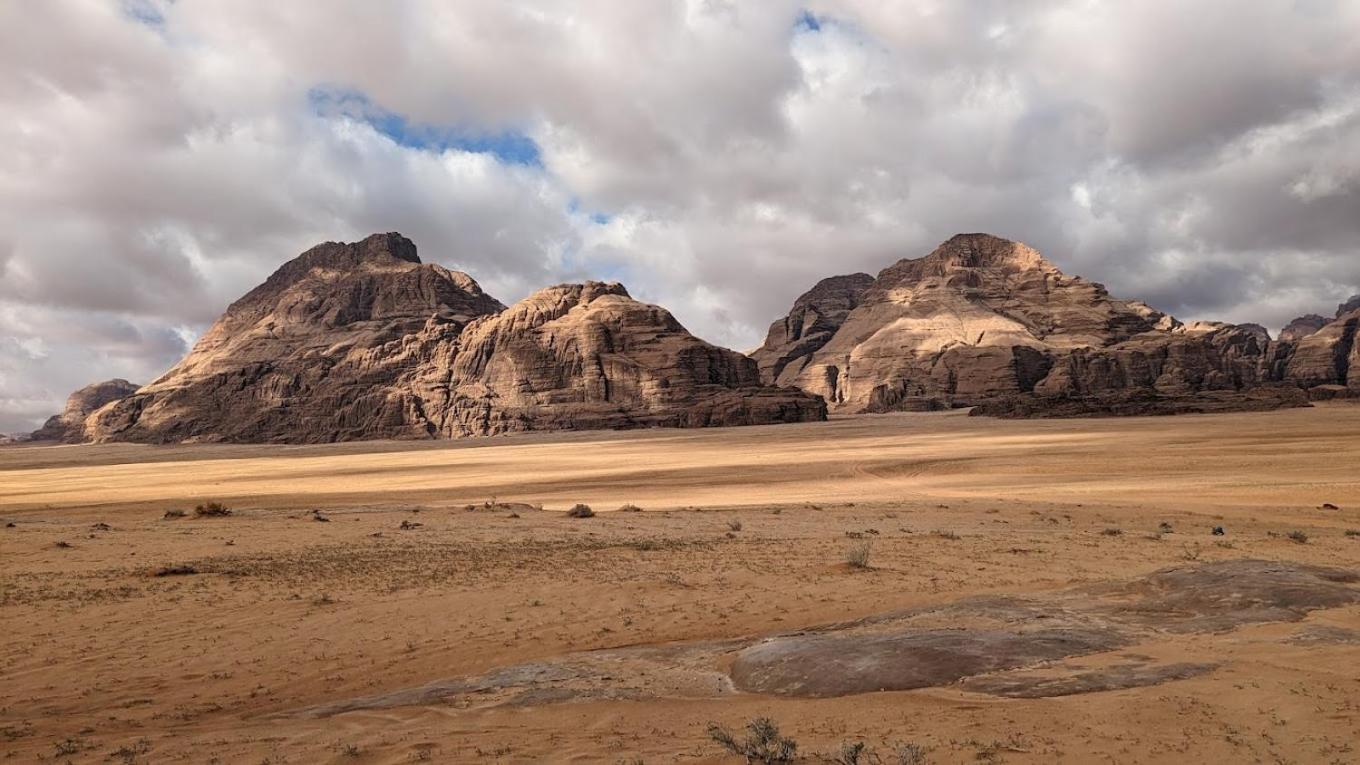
(719, 157)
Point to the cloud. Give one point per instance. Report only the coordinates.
(719, 157)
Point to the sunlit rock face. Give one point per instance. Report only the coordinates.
(364, 341)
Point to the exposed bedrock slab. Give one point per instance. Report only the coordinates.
(1029, 684)
(997, 644)
(838, 665)
(912, 650)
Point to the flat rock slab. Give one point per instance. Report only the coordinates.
(1005, 646)
(837, 665)
(1042, 685)
(900, 652)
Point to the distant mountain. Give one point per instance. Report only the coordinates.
(985, 320)
(1327, 361)
(69, 426)
(364, 341)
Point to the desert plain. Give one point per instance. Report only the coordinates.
(395, 602)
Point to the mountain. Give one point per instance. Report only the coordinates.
(364, 341)
(69, 426)
(982, 319)
(815, 317)
(1302, 327)
(589, 356)
(1328, 361)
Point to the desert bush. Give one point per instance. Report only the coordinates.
(858, 753)
(181, 570)
(762, 743)
(581, 511)
(944, 534)
(1352, 532)
(857, 555)
(734, 525)
(172, 514)
(630, 508)
(1164, 527)
(1113, 532)
(212, 510)
(1298, 536)
(910, 754)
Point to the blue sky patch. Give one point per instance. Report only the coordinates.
(143, 12)
(807, 22)
(511, 147)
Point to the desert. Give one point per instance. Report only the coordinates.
(391, 602)
(702, 382)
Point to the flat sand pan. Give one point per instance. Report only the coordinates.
(1252, 460)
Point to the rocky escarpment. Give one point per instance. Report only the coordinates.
(363, 341)
(1302, 327)
(984, 320)
(815, 318)
(313, 354)
(69, 426)
(1327, 361)
(589, 356)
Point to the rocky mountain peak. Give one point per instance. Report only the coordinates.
(362, 340)
(1350, 305)
(1302, 327)
(69, 426)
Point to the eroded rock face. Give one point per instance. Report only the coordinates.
(815, 318)
(363, 341)
(311, 355)
(986, 321)
(69, 426)
(588, 356)
(981, 318)
(1330, 357)
(1302, 327)
(1349, 306)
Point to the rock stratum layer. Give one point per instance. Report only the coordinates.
(363, 341)
(984, 320)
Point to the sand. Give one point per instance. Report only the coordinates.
(744, 533)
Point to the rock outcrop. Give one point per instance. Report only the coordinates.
(983, 320)
(1302, 327)
(816, 316)
(1328, 361)
(311, 355)
(589, 356)
(363, 341)
(69, 426)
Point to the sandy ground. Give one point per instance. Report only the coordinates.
(744, 533)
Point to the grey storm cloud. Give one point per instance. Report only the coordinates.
(718, 157)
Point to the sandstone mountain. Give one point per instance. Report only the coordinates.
(69, 426)
(589, 356)
(363, 341)
(816, 316)
(1328, 361)
(1302, 327)
(986, 320)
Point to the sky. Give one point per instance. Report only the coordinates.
(717, 157)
